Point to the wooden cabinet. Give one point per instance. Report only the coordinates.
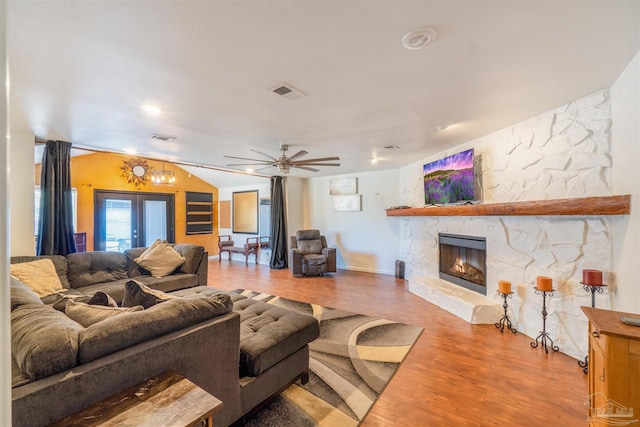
(614, 367)
(199, 213)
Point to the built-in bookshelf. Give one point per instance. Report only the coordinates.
(199, 213)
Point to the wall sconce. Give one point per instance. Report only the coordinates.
(163, 176)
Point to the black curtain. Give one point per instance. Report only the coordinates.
(55, 229)
(279, 250)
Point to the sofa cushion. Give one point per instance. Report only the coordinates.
(62, 300)
(102, 298)
(89, 268)
(87, 314)
(170, 283)
(160, 260)
(43, 340)
(40, 275)
(268, 334)
(207, 291)
(115, 289)
(137, 293)
(192, 256)
(128, 329)
(314, 259)
(59, 261)
(21, 294)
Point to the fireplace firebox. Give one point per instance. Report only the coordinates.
(463, 261)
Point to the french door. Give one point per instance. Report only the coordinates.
(126, 220)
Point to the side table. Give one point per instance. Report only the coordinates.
(167, 400)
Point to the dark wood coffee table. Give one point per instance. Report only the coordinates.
(167, 400)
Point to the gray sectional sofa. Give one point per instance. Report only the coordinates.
(241, 351)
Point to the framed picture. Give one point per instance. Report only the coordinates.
(343, 186)
(245, 212)
(347, 203)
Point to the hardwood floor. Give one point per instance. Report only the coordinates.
(457, 374)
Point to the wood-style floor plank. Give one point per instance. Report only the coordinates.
(457, 374)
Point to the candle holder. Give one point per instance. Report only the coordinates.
(544, 335)
(593, 289)
(505, 318)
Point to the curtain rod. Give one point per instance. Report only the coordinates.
(42, 141)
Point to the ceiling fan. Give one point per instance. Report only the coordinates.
(284, 163)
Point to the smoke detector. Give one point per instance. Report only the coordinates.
(287, 91)
(418, 38)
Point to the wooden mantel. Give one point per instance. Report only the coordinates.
(586, 206)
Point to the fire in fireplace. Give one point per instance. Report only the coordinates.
(463, 261)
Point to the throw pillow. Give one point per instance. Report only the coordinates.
(43, 341)
(39, 275)
(136, 293)
(21, 294)
(87, 315)
(150, 248)
(161, 260)
(101, 298)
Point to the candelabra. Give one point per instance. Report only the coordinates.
(593, 289)
(505, 318)
(544, 335)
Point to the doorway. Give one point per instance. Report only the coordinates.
(126, 220)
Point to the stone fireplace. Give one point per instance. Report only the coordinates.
(562, 154)
(463, 261)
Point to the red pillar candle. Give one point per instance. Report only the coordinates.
(504, 287)
(592, 277)
(544, 283)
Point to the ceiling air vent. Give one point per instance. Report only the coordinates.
(287, 91)
(164, 138)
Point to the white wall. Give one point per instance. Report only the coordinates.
(21, 193)
(240, 238)
(366, 240)
(297, 206)
(5, 342)
(625, 136)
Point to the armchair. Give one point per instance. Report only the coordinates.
(309, 254)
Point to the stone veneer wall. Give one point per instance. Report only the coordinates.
(564, 153)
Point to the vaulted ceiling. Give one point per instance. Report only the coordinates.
(81, 70)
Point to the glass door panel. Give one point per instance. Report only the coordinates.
(118, 224)
(155, 221)
(124, 220)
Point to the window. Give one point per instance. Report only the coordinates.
(36, 207)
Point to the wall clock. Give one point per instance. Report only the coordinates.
(136, 171)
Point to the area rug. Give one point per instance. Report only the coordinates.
(351, 363)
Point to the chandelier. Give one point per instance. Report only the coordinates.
(163, 176)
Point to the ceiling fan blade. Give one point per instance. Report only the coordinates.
(305, 168)
(298, 154)
(302, 163)
(259, 152)
(251, 164)
(320, 159)
(246, 158)
(266, 167)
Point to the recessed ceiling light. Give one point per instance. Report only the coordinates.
(418, 38)
(151, 109)
(130, 151)
(249, 170)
